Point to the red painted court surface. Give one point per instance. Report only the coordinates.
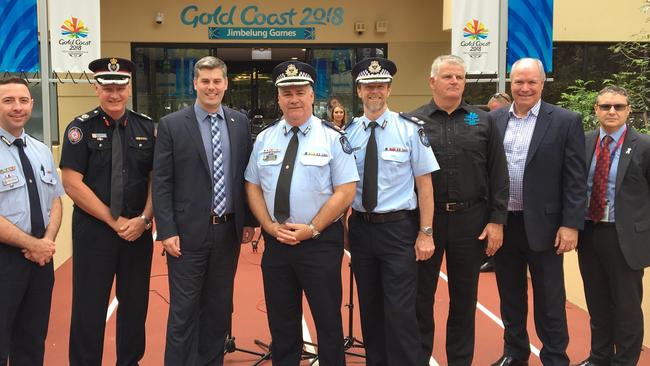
(249, 318)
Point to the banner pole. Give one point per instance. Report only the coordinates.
(503, 41)
(45, 71)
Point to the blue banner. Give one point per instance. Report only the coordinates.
(530, 31)
(270, 33)
(19, 36)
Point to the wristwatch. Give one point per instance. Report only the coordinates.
(147, 222)
(315, 233)
(426, 230)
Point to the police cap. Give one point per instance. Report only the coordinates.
(291, 73)
(112, 70)
(374, 70)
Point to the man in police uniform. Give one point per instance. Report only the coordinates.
(386, 237)
(106, 162)
(471, 195)
(300, 180)
(30, 216)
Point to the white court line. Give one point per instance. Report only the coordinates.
(114, 302)
(492, 316)
(432, 361)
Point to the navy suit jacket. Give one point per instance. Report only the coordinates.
(182, 179)
(554, 184)
(631, 197)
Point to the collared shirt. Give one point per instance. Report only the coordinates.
(610, 193)
(470, 152)
(515, 143)
(14, 198)
(205, 127)
(321, 164)
(402, 157)
(87, 148)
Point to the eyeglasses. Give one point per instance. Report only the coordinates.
(503, 96)
(608, 107)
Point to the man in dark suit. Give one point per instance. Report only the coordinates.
(200, 209)
(614, 247)
(546, 164)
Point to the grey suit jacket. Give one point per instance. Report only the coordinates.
(182, 179)
(632, 196)
(554, 176)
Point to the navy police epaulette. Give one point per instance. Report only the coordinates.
(141, 115)
(86, 116)
(331, 125)
(269, 125)
(350, 123)
(411, 118)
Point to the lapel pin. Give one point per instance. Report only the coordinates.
(628, 151)
(232, 119)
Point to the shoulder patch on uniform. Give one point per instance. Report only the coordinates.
(270, 125)
(141, 115)
(86, 116)
(331, 125)
(411, 118)
(75, 135)
(345, 145)
(423, 138)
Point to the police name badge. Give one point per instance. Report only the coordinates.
(345, 145)
(99, 136)
(270, 154)
(423, 138)
(75, 135)
(10, 180)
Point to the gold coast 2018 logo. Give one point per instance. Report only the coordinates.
(475, 38)
(74, 33)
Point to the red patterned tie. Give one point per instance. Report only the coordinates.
(601, 174)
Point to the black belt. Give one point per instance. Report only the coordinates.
(216, 220)
(456, 206)
(380, 218)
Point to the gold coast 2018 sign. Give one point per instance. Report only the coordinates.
(251, 22)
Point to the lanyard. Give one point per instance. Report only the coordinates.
(620, 142)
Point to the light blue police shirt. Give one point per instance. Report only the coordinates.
(403, 155)
(321, 164)
(14, 198)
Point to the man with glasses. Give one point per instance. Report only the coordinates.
(30, 217)
(106, 163)
(614, 247)
(471, 194)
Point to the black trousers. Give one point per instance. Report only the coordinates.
(614, 292)
(98, 256)
(456, 236)
(26, 296)
(201, 284)
(383, 261)
(313, 266)
(547, 276)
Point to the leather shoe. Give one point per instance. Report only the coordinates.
(487, 266)
(586, 362)
(509, 361)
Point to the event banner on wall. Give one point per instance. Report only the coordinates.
(74, 32)
(475, 34)
(530, 31)
(19, 36)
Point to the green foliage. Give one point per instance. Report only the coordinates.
(581, 99)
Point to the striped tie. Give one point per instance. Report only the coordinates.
(218, 176)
